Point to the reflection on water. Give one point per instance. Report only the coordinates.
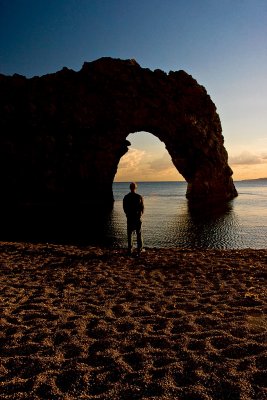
(207, 226)
(171, 221)
(188, 227)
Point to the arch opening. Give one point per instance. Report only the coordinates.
(147, 159)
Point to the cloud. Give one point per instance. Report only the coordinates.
(248, 165)
(140, 165)
(132, 159)
(161, 164)
(248, 158)
(140, 159)
(131, 165)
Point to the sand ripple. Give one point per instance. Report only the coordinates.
(91, 323)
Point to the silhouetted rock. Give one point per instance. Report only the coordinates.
(63, 134)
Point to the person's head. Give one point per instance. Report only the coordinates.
(133, 187)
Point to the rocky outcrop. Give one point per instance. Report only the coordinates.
(62, 135)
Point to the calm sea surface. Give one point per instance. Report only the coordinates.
(169, 222)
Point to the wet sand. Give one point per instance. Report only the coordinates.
(93, 323)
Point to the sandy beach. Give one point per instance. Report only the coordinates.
(94, 323)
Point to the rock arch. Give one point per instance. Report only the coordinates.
(63, 134)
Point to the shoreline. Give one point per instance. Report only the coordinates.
(93, 323)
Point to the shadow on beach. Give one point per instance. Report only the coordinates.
(62, 224)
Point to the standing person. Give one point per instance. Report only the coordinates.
(133, 206)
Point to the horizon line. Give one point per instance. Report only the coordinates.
(184, 181)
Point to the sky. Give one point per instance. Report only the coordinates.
(221, 43)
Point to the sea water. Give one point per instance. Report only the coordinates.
(169, 221)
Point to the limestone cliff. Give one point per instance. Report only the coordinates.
(62, 135)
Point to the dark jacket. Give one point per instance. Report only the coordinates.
(133, 205)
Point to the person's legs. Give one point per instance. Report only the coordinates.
(139, 236)
(130, 237)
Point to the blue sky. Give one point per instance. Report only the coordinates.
(221, 43)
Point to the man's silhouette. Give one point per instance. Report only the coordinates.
(133, 206)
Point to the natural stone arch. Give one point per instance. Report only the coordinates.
(63, 134)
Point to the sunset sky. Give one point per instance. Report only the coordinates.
(221, 43)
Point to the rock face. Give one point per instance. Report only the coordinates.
(62, 135)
